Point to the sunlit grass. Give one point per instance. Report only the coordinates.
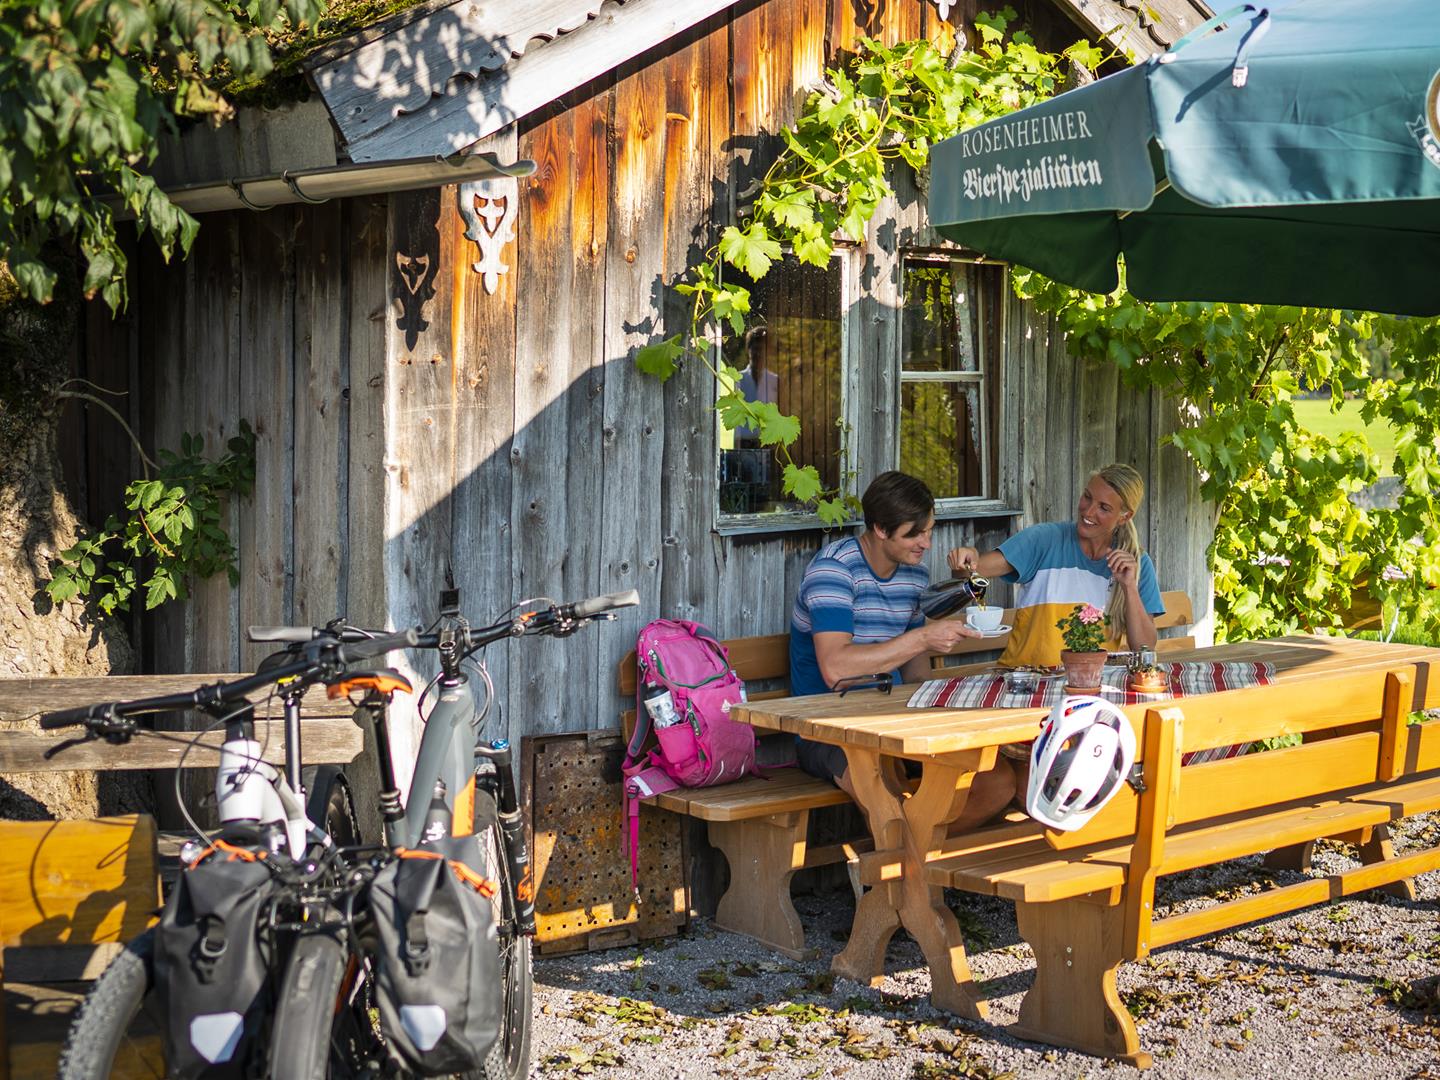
(1315, 414)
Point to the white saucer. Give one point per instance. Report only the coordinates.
(999, 631)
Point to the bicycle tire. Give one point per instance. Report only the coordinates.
(316, 1035)
(101, 1024)
(509, 1058)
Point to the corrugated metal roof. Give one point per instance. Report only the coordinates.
(443, 75)
(471, 68)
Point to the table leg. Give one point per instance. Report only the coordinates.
(912, 826)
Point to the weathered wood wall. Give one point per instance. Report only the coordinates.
(414, 428)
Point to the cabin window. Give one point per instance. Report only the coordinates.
(949, 350)
(792, 355)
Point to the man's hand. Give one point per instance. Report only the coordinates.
(964, 558)
(941, 637)
(1124, 567)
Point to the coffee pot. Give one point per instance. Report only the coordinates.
(944, 598)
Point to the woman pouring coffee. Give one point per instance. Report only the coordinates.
(1095, 559)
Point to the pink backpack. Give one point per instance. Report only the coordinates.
(705, 747)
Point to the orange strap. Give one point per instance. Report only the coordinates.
(483, 885)
(231, 851)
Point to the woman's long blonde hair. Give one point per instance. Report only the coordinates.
(1127, 484)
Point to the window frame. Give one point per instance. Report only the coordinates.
(990, 376)
(842, 259)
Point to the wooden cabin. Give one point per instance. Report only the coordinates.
(442, 379)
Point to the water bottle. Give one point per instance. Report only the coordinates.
(437, 817)
(660, 705)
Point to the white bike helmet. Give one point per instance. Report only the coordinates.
(1083, 755)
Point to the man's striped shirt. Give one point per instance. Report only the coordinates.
(840, 593)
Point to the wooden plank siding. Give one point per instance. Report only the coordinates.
(414, 428)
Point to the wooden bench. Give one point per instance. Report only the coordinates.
(1085, 899)
(71, 894)
(761, 825)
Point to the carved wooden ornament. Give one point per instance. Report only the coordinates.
(488, 207)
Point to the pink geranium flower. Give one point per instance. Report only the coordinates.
(1090, 615)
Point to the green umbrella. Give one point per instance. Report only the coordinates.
(1291, 158)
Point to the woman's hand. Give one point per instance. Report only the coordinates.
(1124, 567)
(964, 558)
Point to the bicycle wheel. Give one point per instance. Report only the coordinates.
(509, 1058)
(321, 1028)
(100, 1035)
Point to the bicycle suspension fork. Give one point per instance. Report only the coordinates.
(512, 831)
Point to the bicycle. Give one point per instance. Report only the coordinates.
(263, 818)
(460, 788)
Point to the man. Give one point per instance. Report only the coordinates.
(857, 613)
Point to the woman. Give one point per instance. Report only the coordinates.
(1096, 559)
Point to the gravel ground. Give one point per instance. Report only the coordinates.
(1344, 990)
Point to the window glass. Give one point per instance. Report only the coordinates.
(949, 341)
(792, 357)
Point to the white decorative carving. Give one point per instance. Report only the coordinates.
(488, 207)
(944, 6)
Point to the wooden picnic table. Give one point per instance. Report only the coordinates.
(877, 730)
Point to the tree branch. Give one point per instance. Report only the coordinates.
(144, 458)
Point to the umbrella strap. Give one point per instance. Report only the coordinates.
(1262, 19)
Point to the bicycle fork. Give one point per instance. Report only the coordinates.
(512, 831)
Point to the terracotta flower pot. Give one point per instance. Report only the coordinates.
(1082, 670)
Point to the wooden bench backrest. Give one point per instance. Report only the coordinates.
(1361, 704)
(753, 658)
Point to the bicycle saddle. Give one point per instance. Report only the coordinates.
(382, 680)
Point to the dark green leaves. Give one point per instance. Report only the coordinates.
(174, 532)
(885, 109)
(87, 88)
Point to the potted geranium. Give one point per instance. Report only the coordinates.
(1083, 632)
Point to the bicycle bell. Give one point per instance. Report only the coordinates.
(943, 598)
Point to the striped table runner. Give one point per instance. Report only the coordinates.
(988, 691)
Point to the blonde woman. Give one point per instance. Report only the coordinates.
(1096, 559)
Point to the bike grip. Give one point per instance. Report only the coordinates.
(359, 650)
(285, 634)
(65, 718)
(583, 609)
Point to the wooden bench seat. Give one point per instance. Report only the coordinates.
(761, 825)
(1085, 899)
(71, 893)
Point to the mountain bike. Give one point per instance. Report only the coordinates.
(462, 793)
(264, 823)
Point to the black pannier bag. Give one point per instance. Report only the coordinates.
(437, 962)
(211, 966)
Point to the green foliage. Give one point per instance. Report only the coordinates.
(887, 107)
(1083, 630)
(1289, 543)
(173, 532)
(87, 87)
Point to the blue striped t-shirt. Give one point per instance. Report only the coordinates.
(840, 593)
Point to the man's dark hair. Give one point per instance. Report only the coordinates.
(894, 499)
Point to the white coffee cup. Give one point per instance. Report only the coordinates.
(985, 618)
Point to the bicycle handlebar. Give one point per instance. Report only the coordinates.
(227, 693)
(595, 605)
(65, 718)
